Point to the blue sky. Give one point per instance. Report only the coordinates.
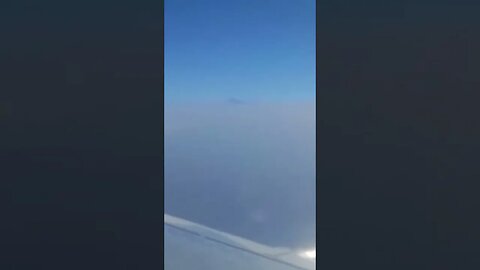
(248, 167)
(247, 49)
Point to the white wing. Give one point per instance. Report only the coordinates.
(190, 246)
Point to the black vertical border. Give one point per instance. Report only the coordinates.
(398, 134)
(67, 70)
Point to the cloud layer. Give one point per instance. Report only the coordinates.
(248, 170)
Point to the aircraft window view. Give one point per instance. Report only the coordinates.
(239, 130)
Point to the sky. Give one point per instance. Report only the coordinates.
(240, 117)
(252, 50)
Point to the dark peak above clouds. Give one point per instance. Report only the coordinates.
(235, 101)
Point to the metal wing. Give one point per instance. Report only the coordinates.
(190, 246)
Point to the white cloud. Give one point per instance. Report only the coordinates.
(224, 162)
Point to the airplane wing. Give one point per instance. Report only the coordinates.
(190, 246)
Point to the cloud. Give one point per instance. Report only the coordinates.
(248, 170)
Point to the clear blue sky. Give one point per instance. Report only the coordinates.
(254, 50)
